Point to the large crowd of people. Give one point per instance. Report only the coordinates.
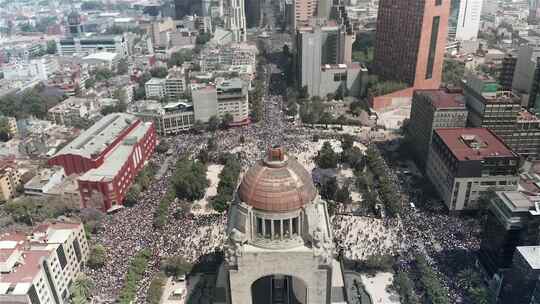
(194, 235)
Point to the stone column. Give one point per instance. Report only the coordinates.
(281, 229)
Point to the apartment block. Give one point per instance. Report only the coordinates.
(226, 96)
(155, 88)
(41, 267)
(169, 119)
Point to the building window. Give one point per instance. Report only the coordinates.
(438, 2)
(433, 46)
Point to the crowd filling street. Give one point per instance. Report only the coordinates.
(193, 235)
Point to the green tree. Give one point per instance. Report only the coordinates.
(203, 38)
(329, 189)
(226, 120)
(122, 67)
(435, 291)
(132, 195)
(198, 127)
(96, 257)
(156, 288)
(163, 147)
(326, 119)
(51, 47)
(190, 180)
(343, 195)
(213, 123)
(102, 74)
(81, 289)
(405, 288)
(453, 72)
(178, 58)
(326, 157)
(159, 72)
(176, 266)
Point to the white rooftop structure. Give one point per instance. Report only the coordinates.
(118, 156)
(98, 137)
(102, 56)
(531, 254)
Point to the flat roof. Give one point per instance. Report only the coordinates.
(27, 271)
(105, 56)
(95, 139)
(118, 156)
(156, 81)
(441, 99)
(473, 143)
(531, 254)
(515, 200)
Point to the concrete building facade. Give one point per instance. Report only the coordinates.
(236, 20)
(411, 40)
(512, 221)
(41, 268)
(155, 88)
(226, 97)
(463, 163)
(10, 179)
(319, 46)
(433, 109)
(468, 19)
(168, 119)
(108, 155)
(87, 45)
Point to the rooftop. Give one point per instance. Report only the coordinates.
(515, 200)
(441, 99)
(277, 183)
(531, 254)
(71, 103)
(92, 142)
(473, 143)
(156, 81)
(117, 157)
(105, 56)
(526, 116)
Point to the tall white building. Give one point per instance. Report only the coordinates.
(468, 19)
(41, 267)
(236, 20)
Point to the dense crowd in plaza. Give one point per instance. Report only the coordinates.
(191, 236)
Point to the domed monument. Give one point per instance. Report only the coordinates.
(279, 247)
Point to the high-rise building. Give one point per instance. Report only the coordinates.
(75, 24)
(463, 163)
(534, 11)
(501, 111)
(236, 20)
(512, 220)
(318, 46)
(253, 13)
(41, 267)
(411, 40)
(520, 283)
(433, 109)
(468, 22)
(303, 11)
(506, 76)
(228, 96)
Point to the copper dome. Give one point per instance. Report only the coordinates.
(277, 183)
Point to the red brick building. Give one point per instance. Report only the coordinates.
(108, 155)
(410, 42)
